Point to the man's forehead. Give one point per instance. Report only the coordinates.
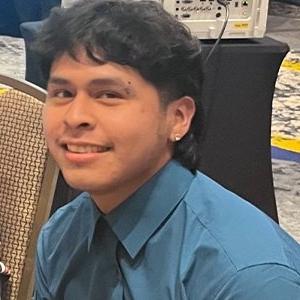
(108, 72)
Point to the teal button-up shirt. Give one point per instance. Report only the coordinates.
(180, 236)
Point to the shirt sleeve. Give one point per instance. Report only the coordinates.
(41, 291)
(262, 282)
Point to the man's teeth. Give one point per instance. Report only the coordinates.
(86, 149)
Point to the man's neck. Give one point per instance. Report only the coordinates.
(108, 200)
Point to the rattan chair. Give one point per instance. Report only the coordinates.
(27, 182)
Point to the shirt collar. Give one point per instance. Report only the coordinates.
(137, 218)
(93, 215)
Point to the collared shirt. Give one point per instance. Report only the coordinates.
(180, 236)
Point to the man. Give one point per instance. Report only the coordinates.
(123, 121)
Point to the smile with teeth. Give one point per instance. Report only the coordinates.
(86, 148)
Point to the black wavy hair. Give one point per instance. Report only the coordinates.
(142, 35)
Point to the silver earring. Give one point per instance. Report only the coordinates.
(177, 138)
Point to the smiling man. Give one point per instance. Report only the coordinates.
(123, 121)
(107, 128)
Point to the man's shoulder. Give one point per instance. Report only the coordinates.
(244, 234)
(262, 282)
(65, 217)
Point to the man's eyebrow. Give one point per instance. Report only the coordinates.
(112, 82)
(58, 81)
(108, 81)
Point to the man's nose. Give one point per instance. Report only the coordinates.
(80, 113)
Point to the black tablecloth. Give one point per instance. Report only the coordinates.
(237, 98)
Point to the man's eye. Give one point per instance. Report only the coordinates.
(60, 94)
(64, 94)
(108, 95)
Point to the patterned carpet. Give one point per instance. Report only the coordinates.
(286, 144)
(285, 119)
(284, 25)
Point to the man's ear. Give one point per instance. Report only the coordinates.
(181, 112)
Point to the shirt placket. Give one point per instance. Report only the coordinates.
(105, 238)
(118, 292)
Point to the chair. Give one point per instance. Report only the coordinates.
(28, 177)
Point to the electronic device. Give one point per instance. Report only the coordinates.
(206, 18)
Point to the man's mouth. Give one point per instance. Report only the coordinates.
(86, 148)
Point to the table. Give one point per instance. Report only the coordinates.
(237, 99)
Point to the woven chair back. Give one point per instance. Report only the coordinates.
(27, 181)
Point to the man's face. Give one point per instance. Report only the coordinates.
(105, 126)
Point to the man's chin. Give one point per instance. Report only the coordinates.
(84, 183)
(78, 182)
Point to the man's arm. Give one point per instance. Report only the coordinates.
(262, 282)
(41, 284)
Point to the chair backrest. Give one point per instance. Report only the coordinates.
(28, 177)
